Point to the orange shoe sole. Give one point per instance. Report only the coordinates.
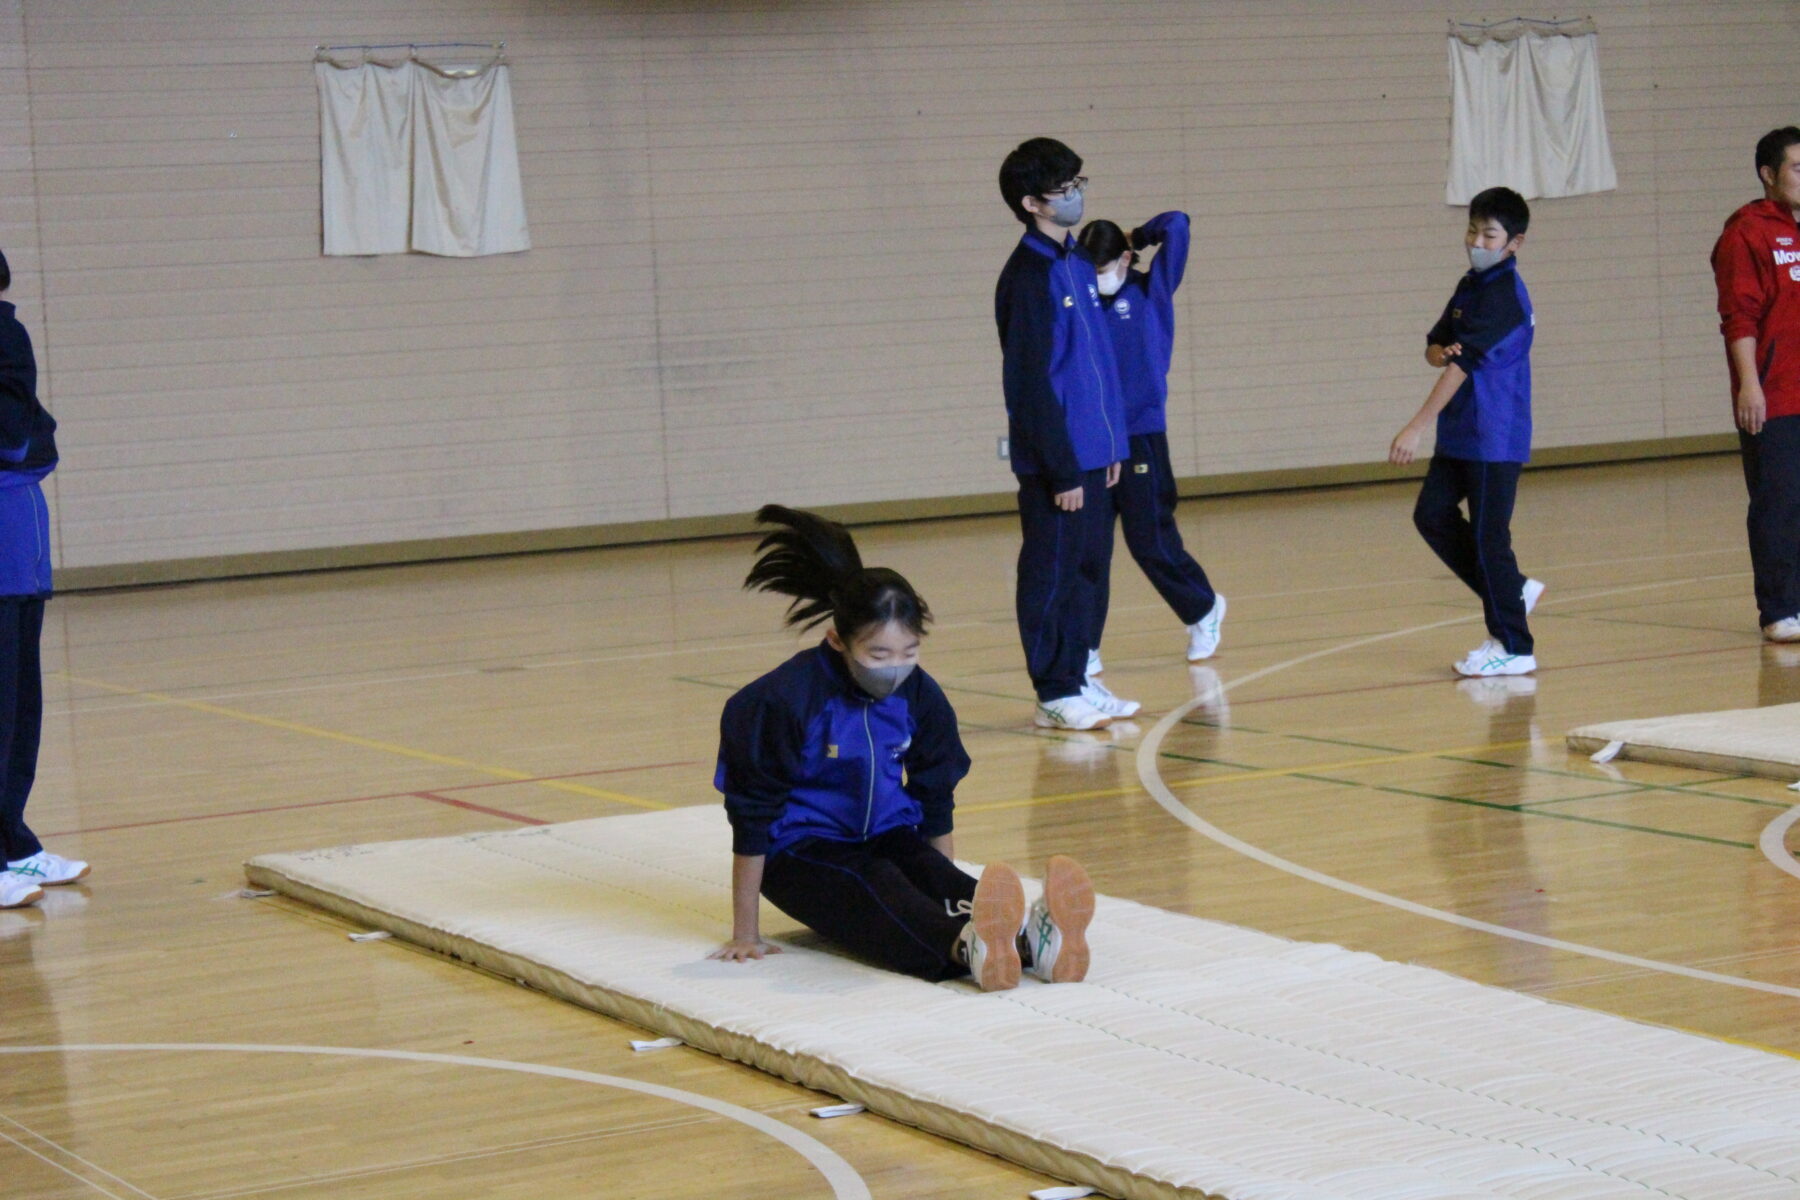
(1069, 895)
(997, 913)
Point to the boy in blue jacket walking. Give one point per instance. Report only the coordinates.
(1482, 406)
(1066, 422)
(1140, 317)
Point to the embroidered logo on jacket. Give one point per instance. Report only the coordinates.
(831, 750)
(1784, 257)
(1122, 306)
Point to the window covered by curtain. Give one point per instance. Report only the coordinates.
(416, 156)
(1526, 110)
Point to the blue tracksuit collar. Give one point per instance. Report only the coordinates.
(1509, 263)
(1035, 239)
(832, 663)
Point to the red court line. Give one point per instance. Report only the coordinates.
(272, 808)
(1442, 680)
(480, 808)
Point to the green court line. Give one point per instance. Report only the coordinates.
(1628, 791)
(1532, 812)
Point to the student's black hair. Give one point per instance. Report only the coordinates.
(5, 274)
(1504, 205)
(815, 561)
(1103, 241)
(1033, 168)
(1771, 147)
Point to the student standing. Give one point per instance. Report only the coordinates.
(1140, 317)
(839, 770)
(1756, 264)
(1482, 406)
(1066, 425)
(27, 455)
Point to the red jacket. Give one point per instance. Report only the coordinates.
(1756, 264)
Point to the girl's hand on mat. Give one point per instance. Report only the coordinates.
(744, 949)
(1070, 501)
(1405, 447)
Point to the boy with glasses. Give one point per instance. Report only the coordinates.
(1066, 424)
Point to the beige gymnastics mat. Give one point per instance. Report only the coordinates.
(1744, 741)
(1198, 1060)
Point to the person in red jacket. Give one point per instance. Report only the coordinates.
(1756, 264)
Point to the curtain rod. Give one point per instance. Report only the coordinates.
(413, 46)
(1517, 21)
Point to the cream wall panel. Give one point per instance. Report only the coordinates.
(765, 241)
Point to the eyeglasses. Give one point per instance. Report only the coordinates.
(1077, 184)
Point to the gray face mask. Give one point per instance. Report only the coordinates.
(1482, 259)
(1066, 210)
(879, 682)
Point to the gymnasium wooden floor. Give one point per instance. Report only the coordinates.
(192, 727)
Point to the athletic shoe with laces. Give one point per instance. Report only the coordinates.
(1487, 649)
(1094, 665)
(1097, 695)
(1070, 712)
(989, 943)
(1785, 630)
(47, 869)
(16, 890)
(1056, 931)
(1498, 662)
(1532, 590)
(1204, 634)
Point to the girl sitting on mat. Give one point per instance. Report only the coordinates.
(839, 770)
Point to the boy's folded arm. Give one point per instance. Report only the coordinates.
(1486, 324)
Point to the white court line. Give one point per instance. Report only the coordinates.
(7, 1137)
(1773, 841)
(61, 1149)
(1150, 775)
(845, 1183)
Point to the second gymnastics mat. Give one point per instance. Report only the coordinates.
(1198, 1060)
(1744, 741)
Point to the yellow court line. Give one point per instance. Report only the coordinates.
(443, 760)
(1242, 776)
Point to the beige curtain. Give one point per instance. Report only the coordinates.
(420, 157)
(1526, 110)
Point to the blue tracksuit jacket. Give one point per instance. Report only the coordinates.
(1489, 418)
(27, 454)
(805, 753)
(1141, 318)
(1063, 408)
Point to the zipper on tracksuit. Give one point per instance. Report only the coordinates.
(1112, 439)
(869, 806)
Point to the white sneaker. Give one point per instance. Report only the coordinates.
(1057, 928)
(16, 891)
(1487, 649)
(1097, 695)
(1533, 589)
(1785, 630)
(1095, 666)
(47, 869)
(1498, 662)
(1070, 712)
(989, 943)
(1203, 635)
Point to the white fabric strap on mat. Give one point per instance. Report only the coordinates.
(1198, 1060)
(1748, 741)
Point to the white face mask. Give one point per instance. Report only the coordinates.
(1482, 259)
(1111, 281)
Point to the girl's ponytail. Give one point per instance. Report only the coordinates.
(815, 561)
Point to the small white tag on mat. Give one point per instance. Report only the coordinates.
(1606, 753)
(1061, 1193)
(837, 1110)
(1794, 787)
(373, 935)
(654, 1044)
